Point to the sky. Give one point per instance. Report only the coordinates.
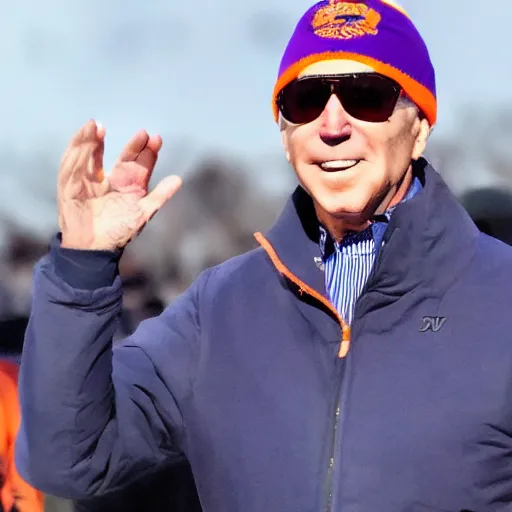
(200, 76)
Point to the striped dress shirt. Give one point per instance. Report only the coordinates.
(348, 264)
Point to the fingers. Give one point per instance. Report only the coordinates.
(95, 168)
(137, 161)
(140, 147)
(89, 132)
(84, 155)
(131, 151)
(81, 172)
(160, 195)
(148, 156)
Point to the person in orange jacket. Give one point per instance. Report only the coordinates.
(15, 494)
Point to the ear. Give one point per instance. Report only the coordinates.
(421, 138)
(284, 137)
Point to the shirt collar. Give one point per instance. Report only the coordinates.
(375, 231)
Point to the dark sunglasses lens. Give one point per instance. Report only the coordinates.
(302, 101)
(369, 98)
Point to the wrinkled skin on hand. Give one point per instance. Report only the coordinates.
(100, 212)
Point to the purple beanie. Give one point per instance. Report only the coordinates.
(374, 32)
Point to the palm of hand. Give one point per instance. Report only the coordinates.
(106, 212)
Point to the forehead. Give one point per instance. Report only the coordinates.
(335, 67)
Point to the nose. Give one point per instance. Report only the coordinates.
(335, 124)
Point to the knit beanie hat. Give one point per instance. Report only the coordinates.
(374, 32)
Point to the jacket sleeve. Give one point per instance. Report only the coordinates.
(95, 418)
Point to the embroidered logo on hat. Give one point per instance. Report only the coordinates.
(342, 19)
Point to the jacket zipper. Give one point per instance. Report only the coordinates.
(340, 400)
(332, 458)
(342, 354)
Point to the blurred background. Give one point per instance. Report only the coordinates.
(201, 75)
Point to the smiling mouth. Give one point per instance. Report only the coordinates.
(338, 165)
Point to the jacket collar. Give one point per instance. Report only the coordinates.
(429, 239)
(375, 231)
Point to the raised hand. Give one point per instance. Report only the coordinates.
(100, 212)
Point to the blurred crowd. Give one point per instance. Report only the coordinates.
(211, 219)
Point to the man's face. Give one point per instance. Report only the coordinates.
(352, 168)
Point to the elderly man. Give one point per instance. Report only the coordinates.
(360, 360)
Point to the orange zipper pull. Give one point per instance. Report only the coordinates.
(345, 342)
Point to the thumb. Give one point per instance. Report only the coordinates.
(152, 202)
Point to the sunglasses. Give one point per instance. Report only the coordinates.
(368, 97)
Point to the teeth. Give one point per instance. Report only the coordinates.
(338, 164)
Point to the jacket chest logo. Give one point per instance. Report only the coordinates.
(432, 323)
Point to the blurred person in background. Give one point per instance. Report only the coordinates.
(359, 360)
(21, 254)
(491, 210)
(140, 301)
(15, 494)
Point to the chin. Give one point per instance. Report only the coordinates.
(341, 204)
